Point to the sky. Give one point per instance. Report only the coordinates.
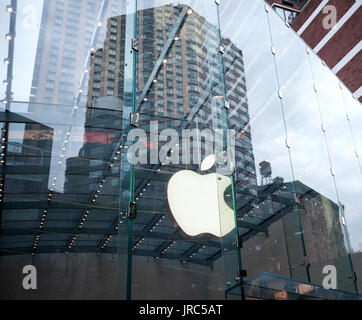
(27, 32)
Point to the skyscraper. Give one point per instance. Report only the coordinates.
(188, 85)
(69, 30)
(182, 87)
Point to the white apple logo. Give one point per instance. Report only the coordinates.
(197, 201)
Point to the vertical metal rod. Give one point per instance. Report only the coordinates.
(12, 31)
(132, 169)
(239, 257)
(8, 95)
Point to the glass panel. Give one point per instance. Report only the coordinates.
(313, 233)
(158, 149)
(353, 110)
(126, 26)
(4, 47)
(345, 169)
(265, 197)
(59, 38)
(58, 196)
(314, 173)
(61, 196)
(177, 226)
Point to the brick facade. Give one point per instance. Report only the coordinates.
(346, 38)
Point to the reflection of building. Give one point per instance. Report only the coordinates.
(189, 83)
(323, 235)
(340, 46)
(30, 145)
(321, 224)
(107, 64)
(180, 85)
(25, 179)
(102, 131)
(65, 38)
(167, 265)
(357, 263)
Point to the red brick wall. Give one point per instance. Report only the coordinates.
(315, 31)
(351, 74)
(343, 41)
(306, 12)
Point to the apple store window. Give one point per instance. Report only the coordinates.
(177, 167)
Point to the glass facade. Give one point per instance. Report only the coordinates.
(174, 150)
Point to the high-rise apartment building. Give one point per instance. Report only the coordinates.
(189, 82)
(184, 80)
(68, 32)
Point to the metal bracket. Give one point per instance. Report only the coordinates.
(354, 276)
(135, 45)
(287, 143)
(297, 199)
(306, 262)
(239, 242)
(280, 94)
(332, 172)
(241, 272)
(134, 119)
(132, 210)
(222, 49)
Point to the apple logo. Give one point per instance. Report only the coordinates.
(197, 201)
